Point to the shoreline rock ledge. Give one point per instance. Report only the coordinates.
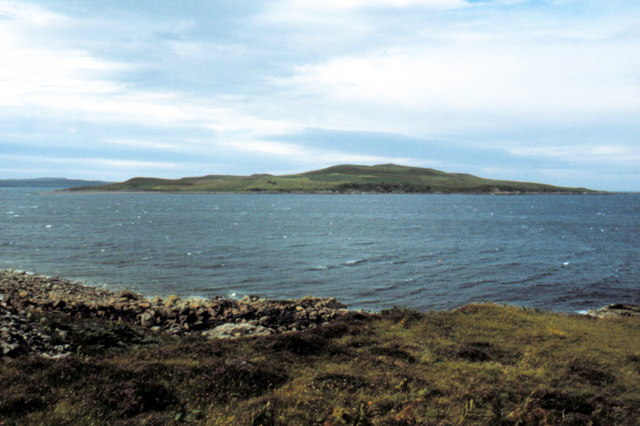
(616, 310)
(24, 293)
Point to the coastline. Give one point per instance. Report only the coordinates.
(23, 292)
(143, 191)
(73, 354)
(172, 315)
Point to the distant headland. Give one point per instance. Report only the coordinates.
(50, 182)
(342, 179)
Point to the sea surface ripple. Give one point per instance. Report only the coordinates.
(564, 253)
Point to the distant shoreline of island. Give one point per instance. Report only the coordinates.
(49, 182)
(132, 191)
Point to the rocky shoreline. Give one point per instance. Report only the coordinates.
(75, 354)
(616, 310)
(23, 295)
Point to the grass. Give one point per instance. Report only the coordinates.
(386, 178)
(481, 364)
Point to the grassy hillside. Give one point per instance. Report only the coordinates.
(386, 178)
(481, 364)
(78, 355)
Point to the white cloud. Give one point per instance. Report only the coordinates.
(309, 155)
(145, 144)
(121, 164)
(14, 11)
(62, 83)
(549, 79)
(92, 162)
(483, 69)
(360, 4)
(57, 81)
(43, 79)
(594, 154)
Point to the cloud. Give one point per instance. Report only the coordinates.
(54, 81)
(145, 144)
(492, 77)
(62, 83)
(308, 155)
(459, 85)
(93, 162)
(58, 81)
(361, 4)
(489, 68)
(622, 155)
(14, 11)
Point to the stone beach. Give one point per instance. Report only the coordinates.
(77, 354)
(24, 297)
(24, 294)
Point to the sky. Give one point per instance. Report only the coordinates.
(529, 90)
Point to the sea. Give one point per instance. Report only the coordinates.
(563, 253)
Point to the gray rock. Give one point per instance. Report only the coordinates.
(616, 310)
(129, 295)
(8, 348)
(19, 334)
(230, 331)
(146, 319)
(174, 329)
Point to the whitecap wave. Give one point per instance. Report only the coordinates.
(355, 262)
(321, 267)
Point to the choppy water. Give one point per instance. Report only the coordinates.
(562, 253)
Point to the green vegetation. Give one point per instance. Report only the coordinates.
(386, 178)
(480, 364)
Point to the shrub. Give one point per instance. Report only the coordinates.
(132, 397)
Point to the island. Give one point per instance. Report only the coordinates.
(342, 179)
